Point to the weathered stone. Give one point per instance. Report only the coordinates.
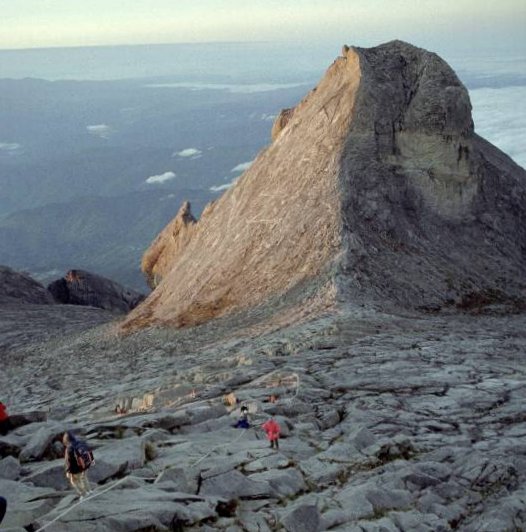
(41, 441)
(304, 518)
(23, 503)
(49, 475)
(20, 288)
(18, 420)
(9, 468)
(179, 479)
(198, 414)
(284, 482)
(235, 485)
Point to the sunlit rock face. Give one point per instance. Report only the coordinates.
(375, 189)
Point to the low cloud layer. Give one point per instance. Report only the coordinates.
(188, 152)
(249, 88)
(102, 131)
(161, 178)
(500, 117)
(242, 167)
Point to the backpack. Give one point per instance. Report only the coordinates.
(83, 455)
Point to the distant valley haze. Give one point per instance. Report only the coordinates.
(104, 133)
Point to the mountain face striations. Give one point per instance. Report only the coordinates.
(375, 189)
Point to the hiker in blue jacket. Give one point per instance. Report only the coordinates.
(242, 422)
(78, 458)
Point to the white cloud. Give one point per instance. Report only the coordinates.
(500, 117)
(219, 188)
(189, 152)
(242, 167)
(102, 131)
(9, 146)
(161, 178)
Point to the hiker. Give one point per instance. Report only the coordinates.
(272, 428)
(78, 459)
(242, 422)
(3, 508)
(5, 423)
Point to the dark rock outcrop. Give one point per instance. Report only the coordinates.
(375, 189)
(18, 287)
(79, 287)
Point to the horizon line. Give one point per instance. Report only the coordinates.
(181, 43)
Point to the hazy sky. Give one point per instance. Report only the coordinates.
(43, 23)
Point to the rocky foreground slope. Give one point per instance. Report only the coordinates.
(376, 188)
(390, 423)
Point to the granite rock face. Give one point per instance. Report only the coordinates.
(16, 287)
(79, 287)
(374, 189)
(156, 261)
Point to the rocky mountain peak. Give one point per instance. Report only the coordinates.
(375, 188)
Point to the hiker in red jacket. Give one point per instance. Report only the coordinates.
(272, 428)
(5, 423)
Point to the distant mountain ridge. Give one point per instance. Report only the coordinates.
(376, 189)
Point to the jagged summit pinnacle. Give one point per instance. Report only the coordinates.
(375, 189)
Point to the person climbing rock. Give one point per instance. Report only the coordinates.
(78, 459)
(3, 508)
(5, 423)
(243, 422)
(272, 428)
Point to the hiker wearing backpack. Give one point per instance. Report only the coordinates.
(78, 459)
(243, 422)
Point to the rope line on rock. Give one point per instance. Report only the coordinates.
(121, 480)
(81, 501)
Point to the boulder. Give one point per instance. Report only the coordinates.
(79, 287)
(25, 503)
(233, 485)
(9, 468)
(41, 441)
(303, 518)
(25, 418)
(284, 482)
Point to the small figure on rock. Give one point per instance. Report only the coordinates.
(230, 399)
(272, 428)
(5, 423)
(78, 459)
(243, 422)
(120, 410)
(3, 508)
